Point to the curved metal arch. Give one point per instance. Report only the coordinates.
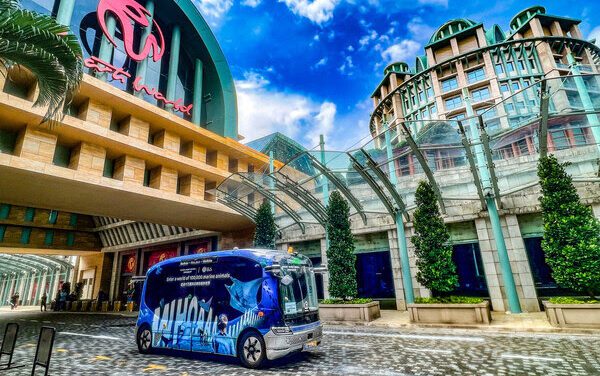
(269, 195)
(50, 259)
(19, 267)
(303, 197)
(25, 261)
(340, 186)
(374, 186)
(423, 162)
(12, 268)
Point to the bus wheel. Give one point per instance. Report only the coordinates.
(252, 350)
(144, 340)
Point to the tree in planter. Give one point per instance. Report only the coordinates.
(436, 270)
(341, 260)
(264, 235)
(571, 240)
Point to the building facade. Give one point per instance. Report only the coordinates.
(472, 117)
(143, 143)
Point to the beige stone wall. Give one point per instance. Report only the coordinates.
(167, 140)
(164, 179)
(129, 169)
(96, 112)
(192, 186)
(88, 158)
(195, 151)
(135, 128)
(36, 145)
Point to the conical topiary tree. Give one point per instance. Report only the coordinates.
(264, 235)
(436, 270)
(571, 240)
(341, 260)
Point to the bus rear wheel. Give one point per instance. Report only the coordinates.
(144, 340)
(252, 350)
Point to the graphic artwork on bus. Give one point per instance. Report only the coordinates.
(205, 323)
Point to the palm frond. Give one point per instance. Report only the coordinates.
(38, 43)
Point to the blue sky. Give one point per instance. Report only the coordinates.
(306, 67)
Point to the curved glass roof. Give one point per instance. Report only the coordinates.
(493, 153)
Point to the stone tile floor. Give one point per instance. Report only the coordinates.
(94, 344)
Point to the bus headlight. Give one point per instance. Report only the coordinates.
(281, 330)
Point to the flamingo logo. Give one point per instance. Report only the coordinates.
(129, 13)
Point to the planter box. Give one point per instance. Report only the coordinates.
(349, 312)
(573, 315)
(466, 314)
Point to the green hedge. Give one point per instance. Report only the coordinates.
(572, 300)
(341, 301)
(449, 300)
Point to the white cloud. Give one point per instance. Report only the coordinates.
(367, 38)
(318, 11)
(405, 50)
(251, 3)
(443, 3)
(213, 10)
(595, 34)
(263, 110)
(346, 67)
(419, 30)
(321, 62)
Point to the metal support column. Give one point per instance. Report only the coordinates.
(271, 181)
(143, 65)
(402, 244)
(65, 12)
(490, 191)
(36, 299)
(543, 131)
(584, 94)
(173, 63)
(324, 182)
(198, 87)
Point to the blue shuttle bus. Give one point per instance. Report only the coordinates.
(253, 304)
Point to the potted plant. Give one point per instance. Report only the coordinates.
(341, 261)
(571, 244)
(437, 271)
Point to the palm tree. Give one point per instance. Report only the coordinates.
(44, 47)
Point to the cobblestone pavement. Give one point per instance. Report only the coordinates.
(93, 344)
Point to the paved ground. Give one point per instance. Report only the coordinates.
(94, 344)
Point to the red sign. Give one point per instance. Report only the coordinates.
(126, 11)
(130, 264)
(199, 248)
(158, 256)
(129, 13)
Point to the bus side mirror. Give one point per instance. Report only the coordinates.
(320, 269)
(286, 280)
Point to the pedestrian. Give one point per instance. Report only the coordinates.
(43, 302)
(62, 300)
(14, 301)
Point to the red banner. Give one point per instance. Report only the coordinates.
(130, 264)
(199, 248)
(158, 256)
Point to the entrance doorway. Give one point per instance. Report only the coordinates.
(545, 285)
(469, 266)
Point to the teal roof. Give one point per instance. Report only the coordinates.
(451, 28)
(494, 35)
(421, 63)
(284, 149)
(525, 15)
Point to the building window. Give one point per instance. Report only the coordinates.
(49, 238)
(25, 235)
(449, 84)
(62, 156)
(458, 117)
(504, 88)
(509, 107)
(475, 75)
(499, 69)
(510, 67)
(424, 114)
(109, 168)
(146, 178)
(421, 96)
(516, 86)
(480, 94)
(429, 92)
(453, 103)
(433, 110)
(521, 65)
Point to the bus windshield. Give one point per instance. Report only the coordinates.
(297, 290)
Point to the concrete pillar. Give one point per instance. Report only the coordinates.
(197, 100)
(324, 262)
(30, 289)
(65, 12)
(173, 62)
(142, 65)
(396, 270)
(113, 277)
